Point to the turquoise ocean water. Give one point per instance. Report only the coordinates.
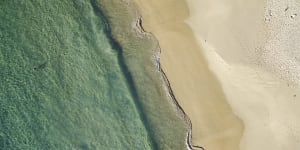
(76, 75)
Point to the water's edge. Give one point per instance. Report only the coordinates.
(166, 82)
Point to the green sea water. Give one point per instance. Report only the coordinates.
(75, 74)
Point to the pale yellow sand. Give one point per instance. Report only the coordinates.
(215, 127)
(253, 48)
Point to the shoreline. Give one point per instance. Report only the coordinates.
(195, 104)
(190, 146)
(138, 49)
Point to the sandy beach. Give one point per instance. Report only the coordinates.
(253, 48)
(233, 67)
(196, 88)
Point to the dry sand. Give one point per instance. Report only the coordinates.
(253, 48)
(215, 126)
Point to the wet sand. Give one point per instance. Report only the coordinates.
(214, 125)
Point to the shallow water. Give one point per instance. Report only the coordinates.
(75, 75)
